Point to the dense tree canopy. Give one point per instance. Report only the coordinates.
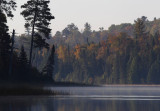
(7, 6)
(123, 54)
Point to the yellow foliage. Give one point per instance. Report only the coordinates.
(118, 43)
(91, 47)
(62, 51)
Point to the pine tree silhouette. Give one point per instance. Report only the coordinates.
(49, 68)
(5, 47)
(37, 15)
(23, 64)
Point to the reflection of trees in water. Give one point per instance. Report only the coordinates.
(76, 104)
(27, 104)
(104, 105)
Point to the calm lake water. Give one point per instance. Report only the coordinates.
(106, 98)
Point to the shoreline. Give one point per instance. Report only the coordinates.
(130, 85)
(9, 90)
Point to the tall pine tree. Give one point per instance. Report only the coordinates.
(37, 15)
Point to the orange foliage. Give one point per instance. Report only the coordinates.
(62, 51)
(77, 51)
(118, 43)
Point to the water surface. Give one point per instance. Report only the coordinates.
(106, 98)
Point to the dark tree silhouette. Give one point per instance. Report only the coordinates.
(37, 15)
(139, 28)
(23, 64)
(154, 72)
(23, 61)
(8, 6)
(4, 44)
(49, 68)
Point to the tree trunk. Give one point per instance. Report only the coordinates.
(32, 38)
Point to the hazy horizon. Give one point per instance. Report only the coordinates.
(102, 13)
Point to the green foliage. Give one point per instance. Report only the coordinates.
(154, 72)
(115, 71)
(120, 59)
(49, 68)
(133, 74)
(111, 56)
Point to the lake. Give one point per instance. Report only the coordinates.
(105, 98)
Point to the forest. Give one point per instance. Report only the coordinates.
(128, 55)
(123, 54)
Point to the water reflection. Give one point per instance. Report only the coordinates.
(76, 104)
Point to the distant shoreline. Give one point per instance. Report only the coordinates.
(36, 89)
(131, 85)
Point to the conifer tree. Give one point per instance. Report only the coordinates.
(4, 43)
(115, 70)
(154, 72)
(23, 57)
(87, 32)
(133, 71)
(4, 35)
(49, 68)
(139, 28)
(37, 15)
(23, 64)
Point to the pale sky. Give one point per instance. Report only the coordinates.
(99, 13)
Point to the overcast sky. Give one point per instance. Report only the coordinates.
(99, 13)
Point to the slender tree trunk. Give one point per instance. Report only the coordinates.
(32, 38)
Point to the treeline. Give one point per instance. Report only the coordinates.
(120, 59)
(72, 35)
(123, 54)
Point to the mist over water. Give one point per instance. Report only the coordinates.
(111, 91)
(106, 98)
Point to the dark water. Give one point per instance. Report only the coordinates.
(108, 98)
